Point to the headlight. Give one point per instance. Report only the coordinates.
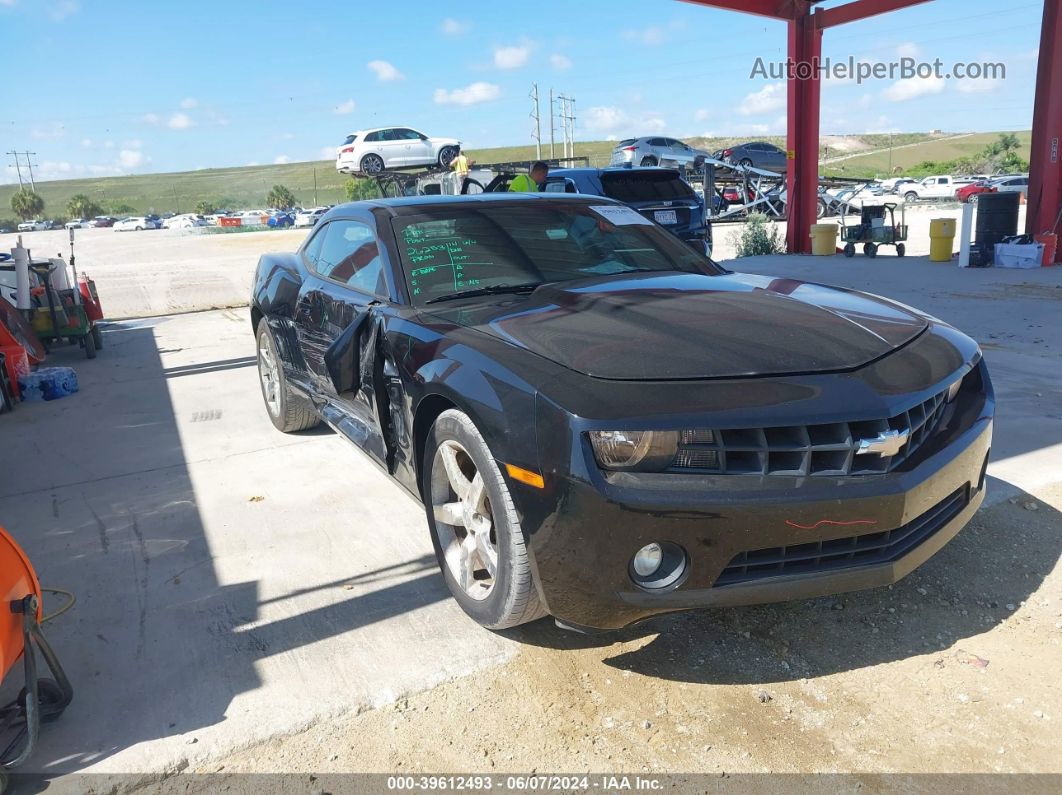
(627, 450)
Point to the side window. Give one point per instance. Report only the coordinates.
(350, 254)
(657, 142)
(408, 135)
(388, 135)
(942, 181)
(555, 186)
(313, 248)
(372, 137)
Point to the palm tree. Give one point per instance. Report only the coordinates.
(281, 198)
(81, 206)
(27, 204)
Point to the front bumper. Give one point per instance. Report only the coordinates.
(581, 549)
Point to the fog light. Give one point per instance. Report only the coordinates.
(647, 560)
(658, 565)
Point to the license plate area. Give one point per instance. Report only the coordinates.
(666, 217)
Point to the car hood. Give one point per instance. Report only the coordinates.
(662, 326)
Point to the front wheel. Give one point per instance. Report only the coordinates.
(901, 249)
(870, 250)
(287, 411)
(474, 526)
(910, 196)
(97, 337)
(849, 249)
(447, 155)
(90, 346)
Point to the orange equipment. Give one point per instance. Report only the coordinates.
(20, 634)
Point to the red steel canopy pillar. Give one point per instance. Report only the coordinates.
(1045, 167)
(803, 92)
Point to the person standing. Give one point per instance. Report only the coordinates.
(461, 166)
(532, 181)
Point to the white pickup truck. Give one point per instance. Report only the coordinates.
(934, 188)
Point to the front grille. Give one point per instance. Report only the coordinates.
(828, 449)
(820, 557)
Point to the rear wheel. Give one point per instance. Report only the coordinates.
(474, 526)
(372, 164)
(97, 337)
(648, 160)
(746, 162)
(910, 196)
(287, 411)
(90, 346)
(849, 249)
(901, 249)
(820, 209)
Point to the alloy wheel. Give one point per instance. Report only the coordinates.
(269, 373)
(464, 520)
(372, 164)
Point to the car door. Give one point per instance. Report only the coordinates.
(392, 148)
(336, 325)
(658, 147)
(417, 147)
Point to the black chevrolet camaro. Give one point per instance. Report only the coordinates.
(603, 424)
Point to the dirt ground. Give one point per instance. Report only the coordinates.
(919, 677)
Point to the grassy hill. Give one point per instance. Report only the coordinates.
(317, 181)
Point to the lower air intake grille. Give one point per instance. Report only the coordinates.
(819, 557)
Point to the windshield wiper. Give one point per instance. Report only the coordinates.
(495, 289)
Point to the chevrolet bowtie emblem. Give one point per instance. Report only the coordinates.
(886, 443)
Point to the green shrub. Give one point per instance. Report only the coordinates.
(759, 236)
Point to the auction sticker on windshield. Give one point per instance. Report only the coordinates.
(620, 216)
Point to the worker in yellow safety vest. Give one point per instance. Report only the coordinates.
(461, 166)
(532, 181)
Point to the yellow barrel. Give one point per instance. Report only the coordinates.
(823, 239)
(941, 239)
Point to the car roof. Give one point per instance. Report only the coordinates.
(610, 170)
(400, 203)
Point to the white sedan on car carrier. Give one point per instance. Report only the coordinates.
(372, 151)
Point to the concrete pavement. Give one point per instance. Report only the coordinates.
(233, 583)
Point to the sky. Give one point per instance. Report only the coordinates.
(103, 87)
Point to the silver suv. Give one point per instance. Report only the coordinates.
(655, 151)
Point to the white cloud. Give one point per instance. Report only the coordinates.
(650, 36)
(907, 50)
(605, 119)
(560, 62)
(189, 102)
(327, 153)
(345, 107)
(702, 114)
(979, 86)
(134, 143)
(130, 158)
(769, 98)
(469, 95)
(150, 118)
(511, 57)
(903, 90)
(85, 142)
(385, 71)
(452, 27)
(58, 11)
(280, 160)
(179, 121)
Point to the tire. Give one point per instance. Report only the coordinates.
(745, 162)
(51, 700)
(901, 249)
(90, 346)
(287, 411)
(849, 249)
(910, 196)
(870, 250)
(97, 337)
(371, 164)
(456, 452)
(447, 155)
(472, 186)
(140, 229)
(820, 209)
(648, 160)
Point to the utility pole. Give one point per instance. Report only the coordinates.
(568, 124)
(564, 122)
(29, 165)
(552, 152)
(537, 134)
(18, 168)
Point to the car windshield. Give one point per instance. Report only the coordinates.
(451, 248)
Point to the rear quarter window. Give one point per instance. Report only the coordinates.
(647, 186)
